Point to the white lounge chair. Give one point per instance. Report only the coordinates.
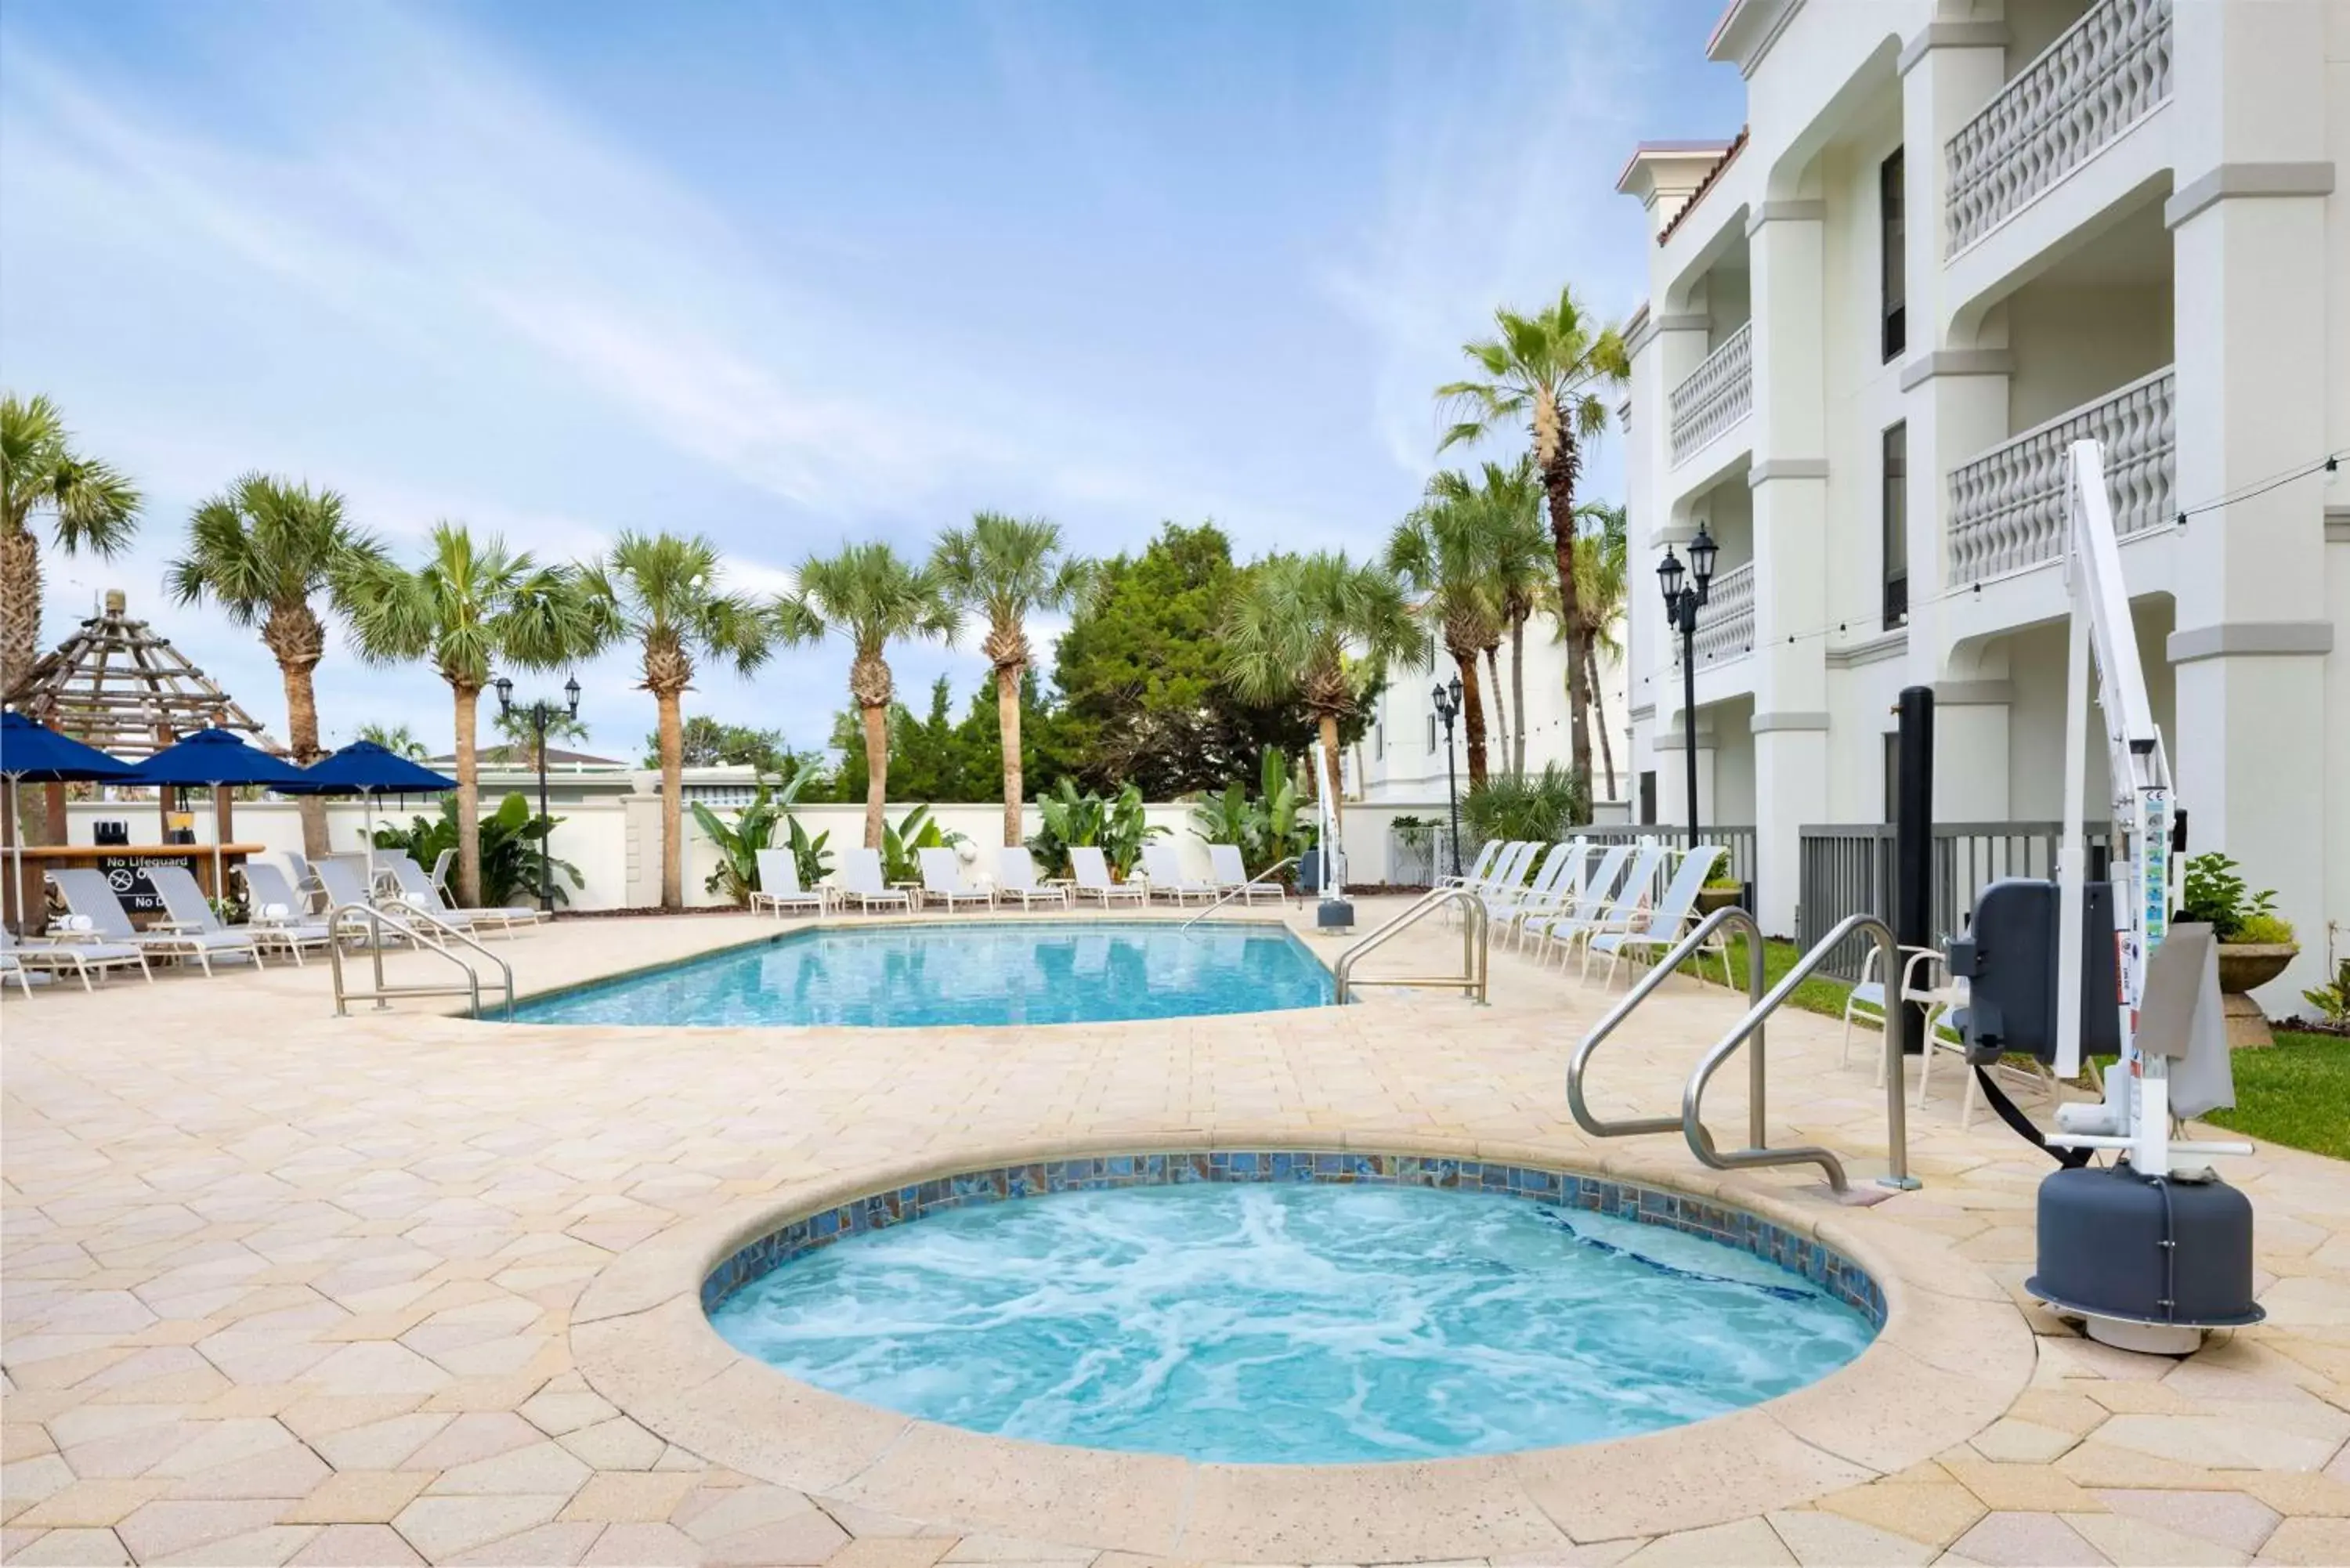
(276, 916)
(192, 912)
(417, 889)
(943, 881)
(779, 885)
(27, 961)
(1015, 877)
(440, 873)
(1092, 868)
(88, 895)
(1624, 912)
(1230, 874)
(1503, 904)
(860, 880)
(1545, 901)
(1598, 894)
(1163, 868)
(1479, 868)
(1661, 925)
(307, 889)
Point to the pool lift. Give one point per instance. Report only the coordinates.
(1335, 912)
(2155, 1250)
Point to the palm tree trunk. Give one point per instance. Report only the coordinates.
(672, 760)
(20, 604)
(302, 740)
(1599, 707)
(1501, 715)
(1518, 689)
(876, 771)
(1560, 469)
(1472, 713)
(1328, 781)
(1007, 729)
(469, 801)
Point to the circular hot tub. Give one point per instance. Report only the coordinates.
(1301, 1307)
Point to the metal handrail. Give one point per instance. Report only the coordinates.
(378, 919)
(1262, 880)
(1476, 928)
(1578, 1064)
(1897, 1033)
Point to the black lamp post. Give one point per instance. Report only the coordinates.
(540, 714)
(1448, 707)
(1682, 601)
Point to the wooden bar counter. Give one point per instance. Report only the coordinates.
(124, 865)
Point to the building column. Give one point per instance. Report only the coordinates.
(1970, 750)
(2255, 649)
(1672, 785)
(1790, 480)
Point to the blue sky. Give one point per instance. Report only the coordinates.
(789, 275)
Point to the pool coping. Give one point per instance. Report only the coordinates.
(1951, 1356)
(816, 924)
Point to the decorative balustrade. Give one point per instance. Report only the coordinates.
(2104, 73)
(2007, 506)
(1716, 395)
(1726, 622)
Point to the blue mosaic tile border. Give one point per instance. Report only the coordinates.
(1823, 1266)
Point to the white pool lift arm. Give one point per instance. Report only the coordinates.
(2135, 1114)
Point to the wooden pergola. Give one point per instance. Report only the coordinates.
(119, 685)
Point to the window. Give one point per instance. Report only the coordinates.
(1431, 734)
(1892, 775)
(1895, 508)
(1378, 740)
(1892, 262)
(1648, 799)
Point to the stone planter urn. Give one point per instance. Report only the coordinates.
(2244, 966)
(1709, 899)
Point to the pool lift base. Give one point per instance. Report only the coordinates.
(1335, 917)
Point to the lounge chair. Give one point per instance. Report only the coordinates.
(1555, 897)
(88, 895)
(344, 879)
(779, 885)
(1663, 923)
(1479, 868)
(1229, 875)
(307, 888)
(440, 872)
(942, 880)
(1163, 868)
(27, 961)
(1015, 877)
(1624, 912)
(191, 911)
(1599, 888)
(1092, 870)
(1503, 903)
(860, 880)
(417, 889)
(276, 915)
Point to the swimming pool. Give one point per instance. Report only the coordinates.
(1332, 1309)
(993, 971)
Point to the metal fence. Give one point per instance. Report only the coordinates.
(1418, 856)
(1738, 841)
(1847, 869)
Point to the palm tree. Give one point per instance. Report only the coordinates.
(1602, 560)
(397, 739)
(469, 609)
(262, 549)
(663, 591)
(1508, 496)
(90, 507)
(1554, 370)
(1445, 553)
(522, 737)
(873, 596)
(1007, 569)
(1321, 628)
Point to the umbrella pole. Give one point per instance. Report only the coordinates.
(16, 853)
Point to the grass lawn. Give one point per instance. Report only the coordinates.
(2297, 1091)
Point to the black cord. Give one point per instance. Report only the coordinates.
(2330, 464)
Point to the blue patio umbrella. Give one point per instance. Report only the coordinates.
(364, 768)
(214, 759)
(35, 754)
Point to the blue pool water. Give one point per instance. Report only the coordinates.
(977, 972)
(1306, 1323)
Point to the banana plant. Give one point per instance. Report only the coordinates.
(900, 845)
(738, 842)
(1114, 824)
(1266, 825)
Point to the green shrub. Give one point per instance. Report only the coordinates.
(753, 828)
(1113, 824)
(2332, 1001)
(1518, 806)
(901, 844)
(513, 842)
(1266, 827)
(2264, 929)
(2215, 895)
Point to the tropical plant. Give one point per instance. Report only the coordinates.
(513, 845)
(1520, 572)
(662, 592)
(1114, 824)
(470, 608)
(1324, 627)
(738, 842)
(873, 596)
(706, 743)
(810, 857)
(522, 737)
(1555, 371)
(397, 739)
(2214, 894)
(1602, 561)
(902, 843)
(262, 550)
(2332, 1001)
(1445, 552)
(1522, 808)
(90, 506)
(1265, 826)
(1004, 569)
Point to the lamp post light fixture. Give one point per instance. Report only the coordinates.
(539, 715)
(1685, 594)
(1448, 707)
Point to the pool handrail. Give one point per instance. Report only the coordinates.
(1580, 1062)
(1262, 880)
(1476, 927)
(428, 932)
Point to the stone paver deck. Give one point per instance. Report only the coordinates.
(281, 1288)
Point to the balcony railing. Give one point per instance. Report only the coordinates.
(1716, 395)
(1725, 625)
(2103, 75)
(2007, 506)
